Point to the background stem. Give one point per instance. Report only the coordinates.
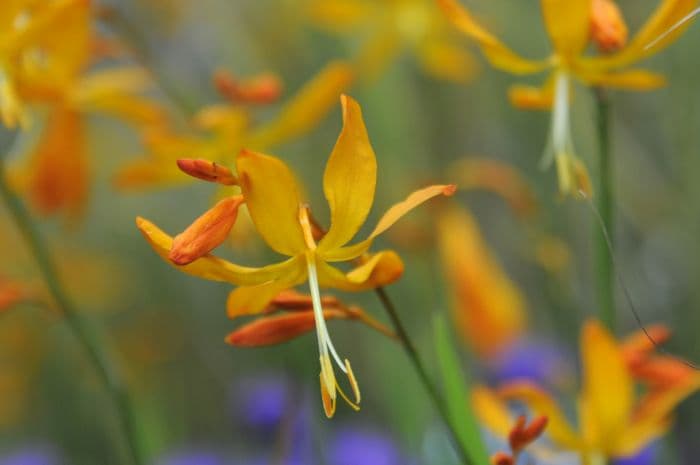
(87, 339)
(422, 373)
(605, 204)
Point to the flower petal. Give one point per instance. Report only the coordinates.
(443, 59)
(306, 108)
(634, 79)
(278, 329)
(542, 403)
(249, 300)
(533, 98)
(380, 269)
(608, 390)
(391, 216)
(273, 200)
(211, 267)
(568, 25)
(350, 178)
(491, 410)
(498, 54)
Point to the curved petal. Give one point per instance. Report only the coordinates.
(533, 98)
(498, 54)
(380, 269)
(657, 33)
(306, 108)
(273, 200)
(568, 25)
(391, 216)
(558, 428)
(443, 59)
(350, 178)
(249, 300)
(492, 411)
(608, 390)
(211, 267)
(634, 79)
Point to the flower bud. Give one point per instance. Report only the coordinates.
(608, 28)
(207, 171)
(260, 89)
(522, 434)
(206, 233)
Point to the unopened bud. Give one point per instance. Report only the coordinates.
(502, 458)
(608, 28)
(261, 89)
(207, 171)
(206, 233)
(522, 434)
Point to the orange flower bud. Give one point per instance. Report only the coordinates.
(501, 458)
(206, 233)
(522, 434)
(207, 170)
(293, 300)
(261, 89)
(277, 329)
(608, 28)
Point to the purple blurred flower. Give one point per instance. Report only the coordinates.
(191, 457)
(36, 455)
(261, 402)
(646, 456)
(353, 446)
(539, 361)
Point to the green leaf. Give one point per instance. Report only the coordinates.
(457, 391)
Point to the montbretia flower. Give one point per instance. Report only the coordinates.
(571, 24)
(282, 218)
(396, 28)
(615, 421)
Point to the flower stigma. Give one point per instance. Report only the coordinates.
(329, 384)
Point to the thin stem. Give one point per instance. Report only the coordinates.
(88, 340)
(605, 204)
(412, 353)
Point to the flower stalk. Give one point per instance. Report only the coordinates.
(605, 206)
(88, 340)
(428, 384)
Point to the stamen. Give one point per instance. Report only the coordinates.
(353, 382)
(328, 402)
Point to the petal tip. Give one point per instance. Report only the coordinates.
(449, 190)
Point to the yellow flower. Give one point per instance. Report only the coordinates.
(396, 27)
(282, 219)
(224, 129)
(568, 24)
(614, 421)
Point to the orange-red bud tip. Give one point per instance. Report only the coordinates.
(608, 28)
(206, 233)
(522, 434)
(261, 89)
(207, 170)
(502, 458)
(449, 190)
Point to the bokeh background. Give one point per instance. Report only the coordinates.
(200, 401)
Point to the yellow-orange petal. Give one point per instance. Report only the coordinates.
(495, 51)
(350, 178)
(488, 308)
(443, 59)
(608, 389)
(250, 300)
(391, 216)
(306, 108)
(211, 267)
(338, 15)
(278, 329)
(380, 269)
(207, 232)
(533, 98)
(542, 403)
(59, 168)
(289, 299)
(273, 199)
(568, 25)
(207, 171)
(491, 410)
(634, 79)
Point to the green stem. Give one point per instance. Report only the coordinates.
(412, 353)
(87, 339)
(605, 203)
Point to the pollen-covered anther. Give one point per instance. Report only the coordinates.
(608, 28)
(328, 401)
(261, 89)
(207, 232)
(353, 382)
(207, 171)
